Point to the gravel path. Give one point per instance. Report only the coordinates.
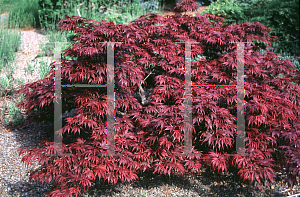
(28, 51)
(14, 174)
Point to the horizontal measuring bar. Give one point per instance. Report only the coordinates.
(214, 85)
(83, 85)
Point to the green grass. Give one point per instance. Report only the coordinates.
(9, 43)
(8, 5)
(24, 15)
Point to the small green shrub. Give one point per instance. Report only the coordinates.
(5, 84)
(48, 48)
(20, 81)
(14, 117)
(64, 38)
(44, 68)
(29, 69)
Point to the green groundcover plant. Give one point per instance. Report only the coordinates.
(149, 136)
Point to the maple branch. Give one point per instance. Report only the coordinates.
(148, 75)
(142, 91)
(78, 12)
(121, 113)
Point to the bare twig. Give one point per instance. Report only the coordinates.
(121, 113)
(142, 93)
(148, 75)
(78, 12)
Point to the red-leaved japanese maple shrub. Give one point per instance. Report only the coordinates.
(150, 135)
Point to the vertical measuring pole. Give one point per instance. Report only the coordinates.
(240, 140)
(110, 101)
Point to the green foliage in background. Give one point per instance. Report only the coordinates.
(118, 12)
(24, 14)
(51, 11)
(244, 3)
(8, 5)
(281, 16)
(233, 12)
